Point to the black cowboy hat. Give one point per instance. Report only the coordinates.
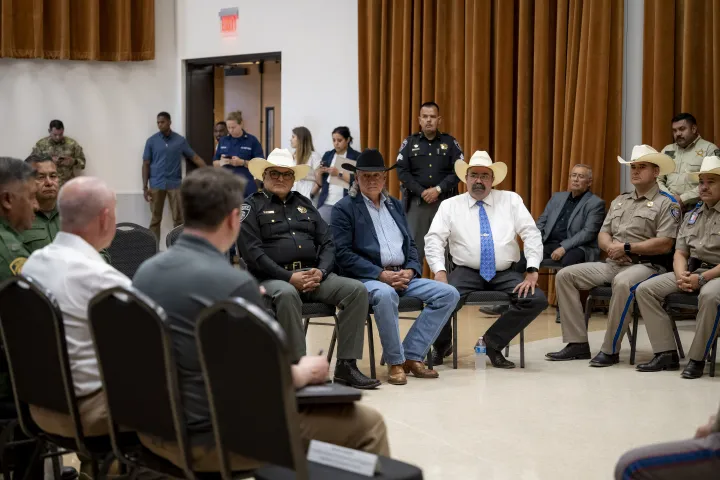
(370, 160)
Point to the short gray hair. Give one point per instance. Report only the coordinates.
(80, 202)
(586, 167)
(14, 170)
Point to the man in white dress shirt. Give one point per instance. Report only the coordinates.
(481, 227)
(73, 270)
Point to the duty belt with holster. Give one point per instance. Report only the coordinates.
(696, 263)
(291, 267)
(664, 260)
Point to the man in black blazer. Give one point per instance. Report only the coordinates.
(571, 222)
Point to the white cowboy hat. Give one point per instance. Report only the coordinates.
(645, 153)
(709, 165)
(481, 159)
(280, 157)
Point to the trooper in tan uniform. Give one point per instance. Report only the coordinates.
(637, 234)
(695, 265)
(688, 152)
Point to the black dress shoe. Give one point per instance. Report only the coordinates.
(604, 360)
(347, 373)
(494, 309)
(694, 369)
(439, 354)
(661, 361)
(68, 473)
(572, 351)
(497, 359)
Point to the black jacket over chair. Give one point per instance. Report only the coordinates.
(33, 335)
(256, 416)
(139, 375)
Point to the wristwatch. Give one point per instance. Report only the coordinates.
(701, 280)
(531, 270)
(438, 189)
(627, 248)
(324, 273)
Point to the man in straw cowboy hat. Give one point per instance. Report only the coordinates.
(481, 227)
(289, 248)
(638, 233)
(375, 245)
(695, 269)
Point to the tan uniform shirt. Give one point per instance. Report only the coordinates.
(700, 234)
(635, 219)
(687, 160)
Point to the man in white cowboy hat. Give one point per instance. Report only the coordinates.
(638, 233)
(289, 248)
(695, 269)
(687, 152)
(481, 228)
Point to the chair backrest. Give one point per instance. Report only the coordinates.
(256, 417)
(131, 246)
(137, 366)
(172, 237)
(33, 336)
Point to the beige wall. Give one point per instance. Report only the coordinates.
(243, 93)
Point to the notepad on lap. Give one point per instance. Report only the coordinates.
(327, 393)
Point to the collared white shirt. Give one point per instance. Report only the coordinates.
(335, 192)
(305, 185)
(75, 272)
(457, 223)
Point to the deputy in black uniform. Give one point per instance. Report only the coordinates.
(288, 247)
(426, 168)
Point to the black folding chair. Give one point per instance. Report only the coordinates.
(687, 301)
(173, 235)
(321, 310)
(139, 375)
(33, 334)
(257, 417)
(131, 246)
(406, 305)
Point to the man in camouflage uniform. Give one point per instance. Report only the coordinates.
(638, 233)
(47, 219)
(64, 151)
(688, 152)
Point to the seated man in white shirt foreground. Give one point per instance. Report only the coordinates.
(74, 272)
(481, 227)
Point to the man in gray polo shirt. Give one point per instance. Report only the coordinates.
(193, 273)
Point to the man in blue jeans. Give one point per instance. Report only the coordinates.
(373, 244)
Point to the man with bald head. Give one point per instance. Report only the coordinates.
(73, 270)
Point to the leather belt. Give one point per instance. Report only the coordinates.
(297, 266)
(694, 263)
(396, 268)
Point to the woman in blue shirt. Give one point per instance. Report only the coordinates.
(235, 150)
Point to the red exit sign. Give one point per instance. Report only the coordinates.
(228, 22)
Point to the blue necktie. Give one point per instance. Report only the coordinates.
(487, 248)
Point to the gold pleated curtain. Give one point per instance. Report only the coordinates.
(681, 67)
(108, 30)
(538, 84)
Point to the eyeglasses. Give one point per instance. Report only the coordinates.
(274, 174)
(483, 177)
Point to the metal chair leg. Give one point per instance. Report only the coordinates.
(713, 357)
(633, 338)
(331, 350)
(678, 342)
(454, 340)
(306, 325)
(588, 309)
(430, 358)
(522, 348)
(507, 350)
(382, 359)
(371, 347)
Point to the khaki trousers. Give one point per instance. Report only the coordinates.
(93, 417)
(570, 280)
(157, 205)
(349, 425)
(650, 296)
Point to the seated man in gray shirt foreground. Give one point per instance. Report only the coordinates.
(195, 270)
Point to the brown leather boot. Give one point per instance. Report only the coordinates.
(396, 375)
(419, 370)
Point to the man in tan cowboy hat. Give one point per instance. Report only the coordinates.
(687, 153)
(481, 227)
(638, 233)
(289, 248)
(695, 269)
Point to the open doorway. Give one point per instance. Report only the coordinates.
(217, 86)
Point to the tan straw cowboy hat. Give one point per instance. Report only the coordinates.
(481, 159)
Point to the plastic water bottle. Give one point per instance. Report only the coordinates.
(480, 354)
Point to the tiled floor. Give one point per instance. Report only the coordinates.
(551, 420)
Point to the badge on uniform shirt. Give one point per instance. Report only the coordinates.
(675, 212)
(416, 146)
(444, 146)
(302, 209)
(268, 211)
(700, 153)
(650, 204)
(244, 212)
(693, 218)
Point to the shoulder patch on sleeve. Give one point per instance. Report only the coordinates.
(17, 265)
(668, 196)
(675, 212)
(244, 212)
(462, 155)
(405, 142)
(716, 153)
